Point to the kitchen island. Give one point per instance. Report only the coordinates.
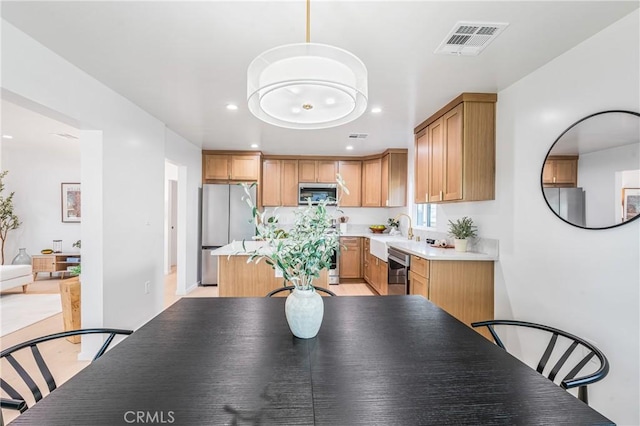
(237, 278)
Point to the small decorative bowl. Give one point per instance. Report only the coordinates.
(377, 229)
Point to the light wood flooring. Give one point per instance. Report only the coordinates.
(62, 355)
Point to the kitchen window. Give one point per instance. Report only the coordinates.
(426, 215)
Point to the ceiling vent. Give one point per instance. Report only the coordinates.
(358, 135)
(64, 135)
(470, 38)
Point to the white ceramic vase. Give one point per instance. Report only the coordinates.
(304, 310)
(460, 245)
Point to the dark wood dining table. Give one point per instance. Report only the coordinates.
(396, 360)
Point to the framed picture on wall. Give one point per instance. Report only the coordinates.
(630, 203)
(70, 202)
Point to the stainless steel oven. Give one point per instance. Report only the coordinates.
(334, 269)
(398, 271)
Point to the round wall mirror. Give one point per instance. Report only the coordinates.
(591, 175)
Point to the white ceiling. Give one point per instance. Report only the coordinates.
(184, 61)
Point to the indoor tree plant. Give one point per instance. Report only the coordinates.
(301, 256)
(8, 219)
(461, 230)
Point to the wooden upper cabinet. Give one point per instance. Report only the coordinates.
(452, 181)
(384, 180)
(245, 167)
(216, 167)
(289, 183)
(231, 167)
(456, 147)
(279, 183)
(435, 166)
(393, 175)
(271, 178)
(371, 182)
(323, 171)
(421, 170)
(351, 172)
(560, 171)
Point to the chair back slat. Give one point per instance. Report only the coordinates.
(579, 367)
(44, 370)
(10, 390)
(104, 346)
(26, 378)
(547, 353)
(563, 359)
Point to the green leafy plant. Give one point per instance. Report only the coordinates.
(8, 219)
(308, 246)
(462, 228)
(76, 270)
(77, 244)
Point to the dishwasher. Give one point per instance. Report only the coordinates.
(398, 271)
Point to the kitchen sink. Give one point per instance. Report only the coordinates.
(378, 244)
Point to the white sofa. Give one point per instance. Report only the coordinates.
(15, 275)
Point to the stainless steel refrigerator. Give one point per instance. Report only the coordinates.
(226, 217)
(568, 203)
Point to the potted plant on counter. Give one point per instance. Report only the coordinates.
(461, 230)
(300, 257)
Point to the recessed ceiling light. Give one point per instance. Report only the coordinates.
(295, 110)
(376, 110)
(330, 101)
(254, 145)
(7, 137)
(232, 107)
(349, 148)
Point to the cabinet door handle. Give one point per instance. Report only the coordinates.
(554, 179)
(426, 197)
(440, 195)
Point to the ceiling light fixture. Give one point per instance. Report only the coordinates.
(7, 137)
(376, 110)
(307, 85)
(232, 107)
(254, 145)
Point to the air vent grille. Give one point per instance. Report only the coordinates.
(358, 135)
(65, 135)
(470, 38)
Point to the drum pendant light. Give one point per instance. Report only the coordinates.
(307, 85)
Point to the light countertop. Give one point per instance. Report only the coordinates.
(421, 249)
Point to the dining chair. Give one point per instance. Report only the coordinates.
(16, 401)
(569, 359)
(290, 289)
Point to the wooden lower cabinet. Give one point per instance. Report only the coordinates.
(376, 276)
(350, 257)
(419, 285)
(462, 288)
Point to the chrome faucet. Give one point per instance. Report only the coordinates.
(410, 230)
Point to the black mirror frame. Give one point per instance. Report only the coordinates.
(549, 152)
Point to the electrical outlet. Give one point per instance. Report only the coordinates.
(147, 287)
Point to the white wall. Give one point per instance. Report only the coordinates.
(122, 175)
(586, 282)
(188, 158)
(36, 171)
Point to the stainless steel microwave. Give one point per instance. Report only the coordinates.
(317, 192)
